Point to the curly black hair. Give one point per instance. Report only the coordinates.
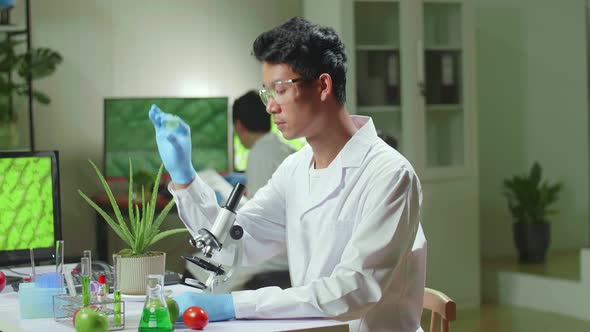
(251, 112)
(310, 49)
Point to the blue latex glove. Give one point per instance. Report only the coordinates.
(234, 177)
(174, 143)
(218, 306)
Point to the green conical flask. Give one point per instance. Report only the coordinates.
(155, 316)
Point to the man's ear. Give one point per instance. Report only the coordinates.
(325, 86)
(239, 126)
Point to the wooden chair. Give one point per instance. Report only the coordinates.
(441, 307)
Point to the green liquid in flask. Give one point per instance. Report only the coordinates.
(155, 318)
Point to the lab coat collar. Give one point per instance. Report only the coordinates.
(351, 156)
(355, 150)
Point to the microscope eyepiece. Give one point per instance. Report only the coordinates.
(235, 197)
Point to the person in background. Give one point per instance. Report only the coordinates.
(252, 124)
(389, 139)
(345, 208)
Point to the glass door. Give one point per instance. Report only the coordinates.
(377, 55)
(444, 93)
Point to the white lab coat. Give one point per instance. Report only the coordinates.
(265, 156)
(355, 246)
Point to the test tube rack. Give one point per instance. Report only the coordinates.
(64, 307)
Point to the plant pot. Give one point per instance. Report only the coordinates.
(135, 269)
(532, 241)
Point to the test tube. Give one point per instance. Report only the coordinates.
(32, 255)
(116, 291)
(88, 254)
(59, 262)
(85, 263)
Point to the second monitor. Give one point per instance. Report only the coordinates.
(129, 133)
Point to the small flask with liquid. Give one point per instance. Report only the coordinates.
(155, 316)
(103, 289)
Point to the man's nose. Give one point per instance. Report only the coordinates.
(272, 107)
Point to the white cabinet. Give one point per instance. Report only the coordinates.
(411, 69)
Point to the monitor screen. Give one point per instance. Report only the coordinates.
(129, 133)
(29, 206)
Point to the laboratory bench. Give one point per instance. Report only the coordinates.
(10, 318)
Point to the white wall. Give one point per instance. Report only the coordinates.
(135, 48)
(532, 83)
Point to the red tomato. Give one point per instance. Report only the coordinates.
(2, 281)
(195, 318)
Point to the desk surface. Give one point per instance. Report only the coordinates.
(10, 322)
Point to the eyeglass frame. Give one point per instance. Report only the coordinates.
(271, 92)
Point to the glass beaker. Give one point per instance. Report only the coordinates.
(155, 315)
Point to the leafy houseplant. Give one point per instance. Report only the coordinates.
(529, 199)
(140, 232)
(16, 68)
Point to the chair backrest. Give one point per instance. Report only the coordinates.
(442, 308)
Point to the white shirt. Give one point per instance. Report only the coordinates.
(355, 245)
(267, 153)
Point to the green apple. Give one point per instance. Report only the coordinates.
(90, 320)
(172, 309)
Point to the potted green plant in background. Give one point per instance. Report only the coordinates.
(139, 232)
(15, 69)
(529, 199)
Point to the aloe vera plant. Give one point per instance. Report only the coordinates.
(141, 230)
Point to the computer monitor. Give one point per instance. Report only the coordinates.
(29, 206)
(129, 133)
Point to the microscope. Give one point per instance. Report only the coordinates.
(215, 249)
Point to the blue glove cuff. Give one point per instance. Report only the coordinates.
(228, 311)
(219, 307)
(183, 176)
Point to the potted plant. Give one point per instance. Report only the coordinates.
(139, 232)
(529, 199)
(15, 70)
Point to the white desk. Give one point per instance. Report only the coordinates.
(10, 321)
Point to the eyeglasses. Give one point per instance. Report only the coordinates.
(277, 91)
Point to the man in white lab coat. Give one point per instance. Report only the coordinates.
(345, 209)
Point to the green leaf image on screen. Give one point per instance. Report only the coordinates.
(129, 133)
(26, 203)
